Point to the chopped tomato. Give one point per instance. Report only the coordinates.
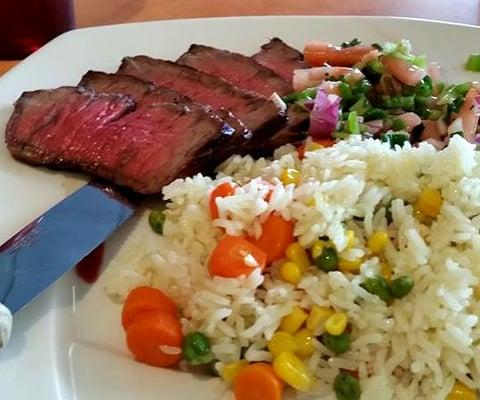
(320, 53)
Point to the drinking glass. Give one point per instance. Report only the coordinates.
(26, 25)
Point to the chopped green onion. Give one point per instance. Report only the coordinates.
(398, 124)
(353, 126)
(395, 138)
(307, 94)
(453, 92)
(345, 91)
(473, 63)
(351, 43)
(373, 70)
(424, 88)
(361, 106)
(407, 103)
(373, 114)
(362, 87)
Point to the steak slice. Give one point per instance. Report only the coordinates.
(281, 58)
(259, 115)
(145, 92)
(241, 71)
(142, 147)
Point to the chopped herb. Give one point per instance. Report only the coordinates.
(351, 43)
(361, 106)
(407, 103)
(374, 113)
(398, 124)
(395, 138)
(403, 51)
(304, 95)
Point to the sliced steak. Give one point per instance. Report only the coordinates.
(145, 93)
(259, 115)
(293, 132)
(241, 71)
(109, 135)
(281, 58)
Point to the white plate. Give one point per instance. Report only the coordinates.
(68, 344)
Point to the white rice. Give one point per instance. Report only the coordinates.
(414, 348)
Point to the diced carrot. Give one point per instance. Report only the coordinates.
(235, 256)
(277, 234)
(223, 190)
(258, 381)
(155, 338)
(144, 298)
(320, 53)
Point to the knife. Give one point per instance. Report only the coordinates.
(52, 244)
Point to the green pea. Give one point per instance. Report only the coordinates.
(156, 219)
(377, 286)
(328, 260)
(337, 343)
(346, 387)
(196, 349)
(401, 286)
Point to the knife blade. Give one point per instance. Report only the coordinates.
(52, 244)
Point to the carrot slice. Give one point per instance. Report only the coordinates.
(235, 256)
(144, 298)
(277, 234)
(155, 338)
(320, 53)
(223, 190)
(258, 381)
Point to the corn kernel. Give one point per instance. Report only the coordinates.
(317, 248)
(230, 370)
(378, 241)
(291, 272)
(351, 240)
(289, 176)
(297, 254)
(386, 271)
(420, 216)
(292, 370)
(318, 315)
(351, 266)
(281, 341)
(311, 202)
(430, 202)
(336, 324)
(292, 322)
(304, 341)
(461, 392)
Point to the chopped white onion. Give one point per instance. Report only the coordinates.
(278, 101)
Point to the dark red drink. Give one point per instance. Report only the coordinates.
(26, 25)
